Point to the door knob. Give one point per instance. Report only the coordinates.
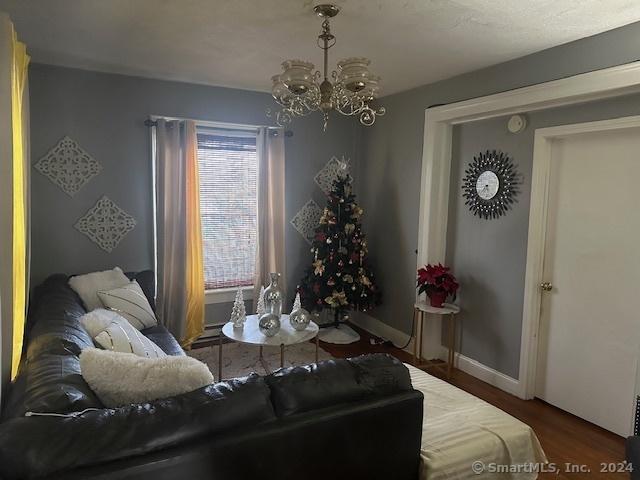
(546, 286)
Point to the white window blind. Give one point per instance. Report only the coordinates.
(228, 170)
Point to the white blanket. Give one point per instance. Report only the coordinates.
(459, 429)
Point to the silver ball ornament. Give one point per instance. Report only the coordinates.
(299, 319)
(269, 324)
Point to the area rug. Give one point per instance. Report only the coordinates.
(239, 359)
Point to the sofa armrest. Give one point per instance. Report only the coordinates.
(40, 445)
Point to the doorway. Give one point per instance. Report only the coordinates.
(589, 283)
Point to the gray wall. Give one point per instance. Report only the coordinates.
(490, 256)
(105, 114)
(390, 169)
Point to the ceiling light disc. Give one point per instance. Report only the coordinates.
(326, 10)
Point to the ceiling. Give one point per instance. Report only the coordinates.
(240, 43)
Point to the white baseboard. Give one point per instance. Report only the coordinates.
(484, 373)
(464, 363)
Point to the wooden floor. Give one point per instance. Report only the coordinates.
(565, 438)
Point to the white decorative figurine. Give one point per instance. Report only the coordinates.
(297, 304)
(238, 313)
(299, 317)
(260, 307)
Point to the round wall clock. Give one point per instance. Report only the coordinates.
(490, 184)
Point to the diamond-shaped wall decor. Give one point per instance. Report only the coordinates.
(325, 177)
(106, 224)
(307, 219)
(68, 165)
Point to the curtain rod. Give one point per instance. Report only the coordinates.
(153, 122)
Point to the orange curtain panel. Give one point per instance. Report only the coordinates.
(195, 261)
(178, 230)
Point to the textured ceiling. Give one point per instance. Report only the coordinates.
(240, 43)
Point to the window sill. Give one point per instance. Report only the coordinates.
(226, 295)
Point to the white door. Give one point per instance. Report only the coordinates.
(590, 319)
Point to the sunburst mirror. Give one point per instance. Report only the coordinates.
(490, 184)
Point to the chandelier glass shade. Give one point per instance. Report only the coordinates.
(350, 89)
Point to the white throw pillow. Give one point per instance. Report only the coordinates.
(122, 337)
(113, 332)
(88, 286)
(130, 302)
(121, 378)
(98, 320)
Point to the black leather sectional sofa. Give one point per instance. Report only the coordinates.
(341, 419)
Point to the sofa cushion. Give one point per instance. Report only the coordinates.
(40, 445)
(147, 281)
(49, 377)
(331, 382)
(53, 322)
(163, 338)
(51, 383)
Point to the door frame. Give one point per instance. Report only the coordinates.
(540, 180)
(436, 176)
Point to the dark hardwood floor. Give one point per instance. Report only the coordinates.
(565, 438)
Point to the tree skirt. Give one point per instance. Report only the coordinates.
(342, 335)
(239, 359)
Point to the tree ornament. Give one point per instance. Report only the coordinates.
(269, 324)
(299, 318)
(318, 267)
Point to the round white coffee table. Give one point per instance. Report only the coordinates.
(252, 335)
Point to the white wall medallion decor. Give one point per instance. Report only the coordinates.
(325, 177)
(68, 165)
(106, 224)
(307, 219)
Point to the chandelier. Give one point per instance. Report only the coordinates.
(351, 90)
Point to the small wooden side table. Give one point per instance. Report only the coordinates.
(419, 311)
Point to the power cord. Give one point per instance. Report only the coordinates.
(389, 343)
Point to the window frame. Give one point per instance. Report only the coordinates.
(227, 294)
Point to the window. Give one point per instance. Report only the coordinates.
(228, 169)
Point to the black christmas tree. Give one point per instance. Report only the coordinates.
(339, 277)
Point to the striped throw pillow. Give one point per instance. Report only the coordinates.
(130, 302)
(121, 336)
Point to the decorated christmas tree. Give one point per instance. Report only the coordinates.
(339, 277)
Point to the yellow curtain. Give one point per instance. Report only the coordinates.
(19, 66)
(195, 261)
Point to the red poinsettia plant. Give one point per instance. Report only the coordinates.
(437, 283)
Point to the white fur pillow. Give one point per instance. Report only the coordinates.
(98, 320)
(87, 286)
(123, 378)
